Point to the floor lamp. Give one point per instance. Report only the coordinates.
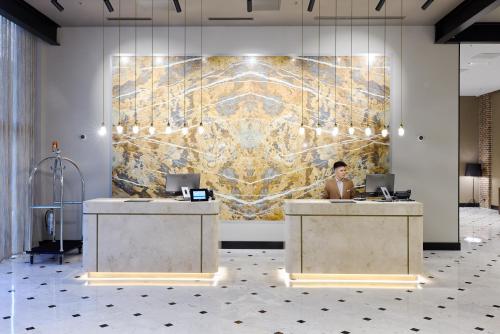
(474, 170)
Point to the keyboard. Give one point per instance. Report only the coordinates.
(342, 201)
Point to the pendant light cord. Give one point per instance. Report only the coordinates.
(351, 60)
(401, 62)
(385, 57)
(368, 59)
(319, 56)
(168, 63)
(185, 57)
(119, 62)
(335, 63)
(302, 60)
(152, 63)
(201, 62)
(135, 63)
(103, 57)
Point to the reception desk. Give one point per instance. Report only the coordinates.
(162, 238)
(362, 240)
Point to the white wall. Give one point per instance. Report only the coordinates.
(71, 103)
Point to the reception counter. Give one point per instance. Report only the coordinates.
(342, 241)
(124, 238)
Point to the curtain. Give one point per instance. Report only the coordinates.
(17, 112)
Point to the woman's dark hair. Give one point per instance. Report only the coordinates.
(339, 164)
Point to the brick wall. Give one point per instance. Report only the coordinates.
(485, 141)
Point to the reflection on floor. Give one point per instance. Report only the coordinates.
(462, 296)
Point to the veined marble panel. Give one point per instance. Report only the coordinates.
(251, 152)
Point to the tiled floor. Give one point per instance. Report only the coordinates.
(462, 296)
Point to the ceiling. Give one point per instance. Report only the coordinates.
(479, 68)
(89, 12)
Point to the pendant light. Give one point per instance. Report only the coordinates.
(152, 129)
(401, 130)
(201, 129)
(351, 128)
(102, 130)
(135, 128)
(119, 126)
(368, 130)
(318, 124)
(168, 128)
(184, 125)
(385, 131)
(302, 130)
(335, 131)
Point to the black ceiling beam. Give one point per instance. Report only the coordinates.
(481, 32)
(24, 15)
(462, 17)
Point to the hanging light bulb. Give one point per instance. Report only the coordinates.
(351, 130)
(201, 129)
(135, 129)
(102, 130)
(184, 129)
(318, 130)
(368, 131)
(168, 129)
(385, 132)
(401, 130)
(335, 131)
(119, 128)
(151, 129)
(302, 130)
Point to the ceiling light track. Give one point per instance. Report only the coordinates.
(310, 7)
(177, 5)
(57, 5)
(109, 6)
(380, 5)
(230, 18)
(427, 4)
(357, 18)
(129, 19)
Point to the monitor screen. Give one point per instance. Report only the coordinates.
(175, 182)
(375, 181)
(199, 195)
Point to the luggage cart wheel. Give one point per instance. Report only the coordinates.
(31, 259)
(60, 259)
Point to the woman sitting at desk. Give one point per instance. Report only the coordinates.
(339, 187)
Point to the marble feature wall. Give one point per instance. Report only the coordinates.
(251, 152)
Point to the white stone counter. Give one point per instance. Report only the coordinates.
(159, 206)
(353, 238)
(315, 207)
(161, 236)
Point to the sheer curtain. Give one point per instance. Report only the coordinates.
(17, 113)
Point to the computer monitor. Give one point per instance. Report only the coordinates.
(176, 181)
(375, 181)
